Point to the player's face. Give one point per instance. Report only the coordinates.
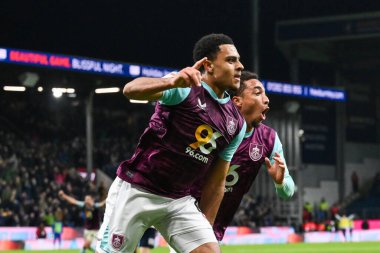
(89, 201)
(226, 68)
(254, 103)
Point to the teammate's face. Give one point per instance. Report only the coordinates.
(253, 103)
(226, 68)
(89, 201)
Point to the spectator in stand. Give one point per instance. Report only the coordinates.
(365, 224)
(330, 226)
(323, 210)
(310, 226)
(48, 217)
(41, 232)
(334, 210)
(32, 169)
(306, 215)
(307, 211)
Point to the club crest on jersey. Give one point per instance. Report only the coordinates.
(255, 151)
(231, 125)
(117, 241)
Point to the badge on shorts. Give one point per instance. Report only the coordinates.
(117, 241)
(255, 151)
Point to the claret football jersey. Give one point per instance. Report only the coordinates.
(190, 128)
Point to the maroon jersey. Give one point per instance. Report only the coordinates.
(181, 143)
(243, 170)
(91, 221)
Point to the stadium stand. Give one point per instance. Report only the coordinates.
(42, 148)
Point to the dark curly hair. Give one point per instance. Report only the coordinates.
(245, 76)
(208, 46)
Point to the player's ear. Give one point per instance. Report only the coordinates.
(208, 66)
(237, 101)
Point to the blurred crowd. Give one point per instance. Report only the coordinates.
(254, 212)
(42, 147)
(31, 174)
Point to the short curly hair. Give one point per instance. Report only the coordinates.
(245, 76)
(208, 46)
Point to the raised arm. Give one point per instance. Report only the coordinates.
(145, 88)
(68, 198)
(101, 203)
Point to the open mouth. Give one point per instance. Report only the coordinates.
(263, 113)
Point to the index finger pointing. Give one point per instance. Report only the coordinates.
(199, 63)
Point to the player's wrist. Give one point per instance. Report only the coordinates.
(279, 184)
(172, 83)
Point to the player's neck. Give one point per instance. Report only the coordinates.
(213, 85)
(249, 128)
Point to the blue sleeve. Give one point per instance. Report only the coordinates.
(80, 203)
(286, 189)
(174, 96)
(230, 150)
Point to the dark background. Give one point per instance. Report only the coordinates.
(160, 32)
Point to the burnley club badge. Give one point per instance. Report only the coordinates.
(231, 125)
(255, 151)
(117, 241)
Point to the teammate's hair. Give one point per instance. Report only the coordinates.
(90, 195)
(208, 46)
(245, 76)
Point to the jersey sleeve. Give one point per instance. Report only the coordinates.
(230, 150)
(174, 96)
(80, 203)
(286, 189)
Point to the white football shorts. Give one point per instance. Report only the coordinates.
(110, 203)
(132, 210)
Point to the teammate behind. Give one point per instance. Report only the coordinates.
(91, 224)
(259, 143)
